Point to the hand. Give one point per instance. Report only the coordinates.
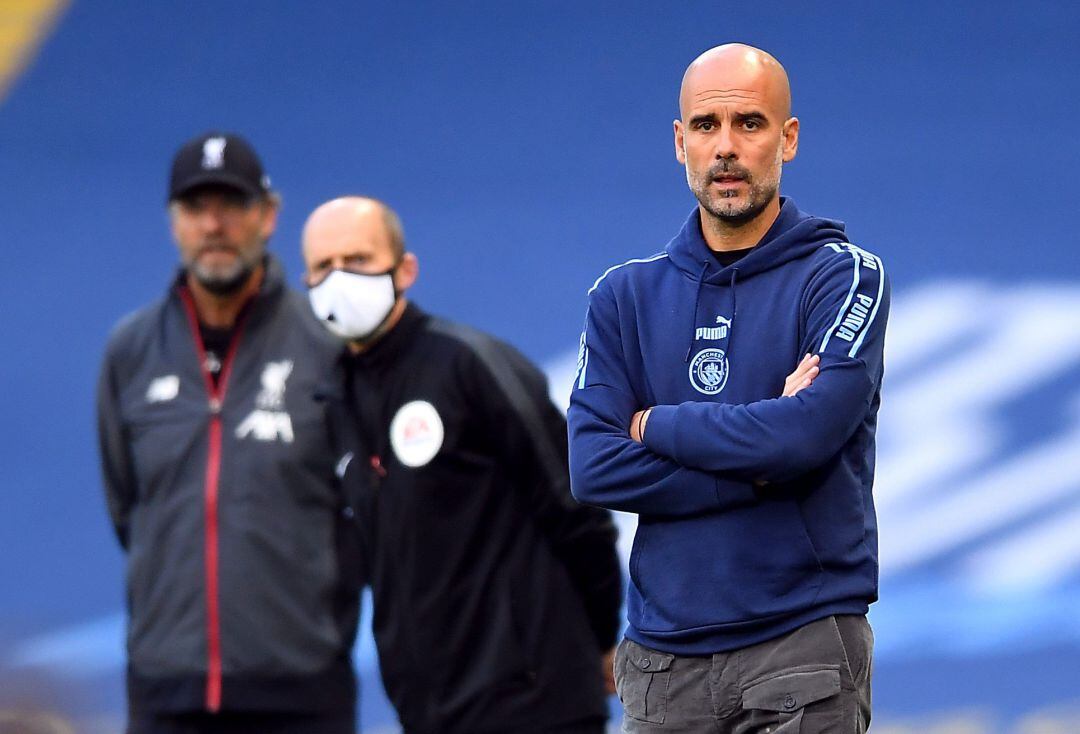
(607, 662)
(637, 424)
(804, 374)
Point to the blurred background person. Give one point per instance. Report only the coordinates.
(496, 595)
(219, 476)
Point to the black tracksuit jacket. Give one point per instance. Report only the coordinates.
(243, 572)
(494, 591)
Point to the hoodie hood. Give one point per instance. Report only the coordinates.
(794, 234)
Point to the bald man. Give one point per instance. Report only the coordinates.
(496, 595)
(755, 559)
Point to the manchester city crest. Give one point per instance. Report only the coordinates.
(709, 371)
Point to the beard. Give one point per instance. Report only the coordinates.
(224, 280)
(725, 206)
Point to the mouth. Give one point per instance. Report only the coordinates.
(728, 181)
(216, 250)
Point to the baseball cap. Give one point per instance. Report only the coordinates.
(217, 158)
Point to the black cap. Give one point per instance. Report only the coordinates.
(221, 159)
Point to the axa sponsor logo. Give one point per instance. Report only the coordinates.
(270, 421)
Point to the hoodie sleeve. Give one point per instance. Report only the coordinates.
(845, 310)
(607, 467)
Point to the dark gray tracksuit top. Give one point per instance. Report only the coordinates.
(242, 568)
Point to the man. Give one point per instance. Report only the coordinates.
(755, 558)
(495, 594)
(219, 475)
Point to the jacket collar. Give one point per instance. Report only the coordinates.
(386, 351)
(271, 290)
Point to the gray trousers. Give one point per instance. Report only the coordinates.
(815, 679)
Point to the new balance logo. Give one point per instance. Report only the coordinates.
(163, 389)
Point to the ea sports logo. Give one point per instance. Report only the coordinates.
(709, 371)
(416, 433)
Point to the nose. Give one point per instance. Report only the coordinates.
(724, 143)
(211, 219)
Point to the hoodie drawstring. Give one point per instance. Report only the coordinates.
(734, 272)
(697, 301)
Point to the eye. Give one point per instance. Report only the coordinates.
(707, 127)
(752, 124)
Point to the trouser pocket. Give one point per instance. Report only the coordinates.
(786, 696)
(642, 677)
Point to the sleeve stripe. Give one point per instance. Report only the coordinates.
(877, 304)
(584, 367)
(847, 302)
(628, 262)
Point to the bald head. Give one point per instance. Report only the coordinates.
(356, 234)
(734, 135)
(348, 217)
(736, 72)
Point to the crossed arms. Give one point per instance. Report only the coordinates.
(703, 456)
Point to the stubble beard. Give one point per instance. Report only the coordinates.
(225, 280)
(723, 206)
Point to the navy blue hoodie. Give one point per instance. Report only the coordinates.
(755, 510)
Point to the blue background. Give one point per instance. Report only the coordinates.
(528, 147)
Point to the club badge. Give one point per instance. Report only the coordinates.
(709, 371)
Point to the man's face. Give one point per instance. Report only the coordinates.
(347, 240)
(222, 235)
(733, 138)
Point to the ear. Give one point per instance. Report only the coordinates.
(172, 215)
(269, 221)
(407, 271)
(680, 143)
(791, 139)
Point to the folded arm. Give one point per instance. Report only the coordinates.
(781, 438)
(607, 467)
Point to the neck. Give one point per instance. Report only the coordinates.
(359, 347)
(221, 311)
(722, 236)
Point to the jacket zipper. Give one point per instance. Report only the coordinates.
(216, 399)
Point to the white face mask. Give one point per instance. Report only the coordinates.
(353, 305)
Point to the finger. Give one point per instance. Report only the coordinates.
(803, 369)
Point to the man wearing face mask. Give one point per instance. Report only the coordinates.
(496, 596)
(220, 477)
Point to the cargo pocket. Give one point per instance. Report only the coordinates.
(642, 678)
(788, 695)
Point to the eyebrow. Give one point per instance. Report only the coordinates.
(705, 117)
(738, 117)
